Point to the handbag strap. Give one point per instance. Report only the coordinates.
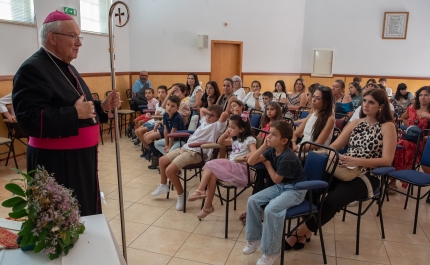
(369, 186)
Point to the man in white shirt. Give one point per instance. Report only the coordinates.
(6, 100)
(238, 90)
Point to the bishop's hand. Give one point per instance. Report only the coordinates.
(112, 101)
(85, 109)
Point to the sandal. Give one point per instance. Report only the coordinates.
(197, 195)
(205, 212)
(300, 245)
(287, 246)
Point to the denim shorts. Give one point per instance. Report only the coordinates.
(148, 125)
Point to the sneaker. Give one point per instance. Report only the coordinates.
(352, 204)
(251, 247)
(180, 201)
(161, 189)
(268, 259)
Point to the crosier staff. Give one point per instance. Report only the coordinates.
(118, 160)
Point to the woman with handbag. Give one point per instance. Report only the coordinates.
(372, 143)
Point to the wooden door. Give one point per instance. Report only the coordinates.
(226, 60)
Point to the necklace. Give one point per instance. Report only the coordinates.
(74, 88)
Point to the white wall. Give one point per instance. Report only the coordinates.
(164, 33)
(353, 29)
(20, 42)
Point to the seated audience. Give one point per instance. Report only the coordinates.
(150, 124)
(225, 99)
(343, 103)
(298, 97)
(311, 90)
(355, 93)
(254, 99)
(194, 90)
(416, 115)
(138, 91)
(267, 97)
(372, 143)
(383, 82)
(238, 90)
(236, 107)
(318, 126)
(152, 104)
(285, 170)
(368, 87)
(239, 136)
(272, 113)
(280, 92)
(6, 100)
(357, 80)
(211, 94)
(212, 124)
(403, 97)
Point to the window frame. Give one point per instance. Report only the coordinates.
(15, 22)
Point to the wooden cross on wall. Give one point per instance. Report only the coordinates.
(119, 14)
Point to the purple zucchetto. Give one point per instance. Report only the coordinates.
(55, 16)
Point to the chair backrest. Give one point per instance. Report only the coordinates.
(339, 123)
(128, 93)
(255, 120)
(315, 166)
(425, 157)
(247, 89)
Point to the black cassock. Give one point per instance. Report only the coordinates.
(43, 100)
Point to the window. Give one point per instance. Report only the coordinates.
(17, 11)
(95, 15)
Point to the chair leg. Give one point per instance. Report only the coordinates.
(289, 225)
(381, 221)
(344, 214)
(185, 191)
(226, 212)
(322, 242)
(219, 193)
(14, 156)
(235, 197)
(407, 196)
(283, 244)
(357, 239)
(8, 153)
(167, 196)
(101, 133)
(416, 209)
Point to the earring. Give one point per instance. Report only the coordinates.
(379, 111)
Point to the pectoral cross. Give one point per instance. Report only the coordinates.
(119, 14)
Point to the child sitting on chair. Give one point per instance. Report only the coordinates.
(212, 124)
(243, 143)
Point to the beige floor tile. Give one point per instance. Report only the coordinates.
(341, 261)
(113, 178)
(368, 227)
(395, 214)
(176, 261)
(215, 226)
(237, 257)
(298, 258)
(372, 250)
(143, 181)
(314, 246)
(107, 188)
(132, 230)
(196, 249)
(130, 194)
(160, 200)
(139, 257)
(177, 220)
(407, 254)
(111, 208)
(144, 214)
(402, 233)
(160, 240)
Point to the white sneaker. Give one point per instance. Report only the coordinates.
(161, 189)
(268, 259)
(180, 201)
(352, 204)
(251, 247)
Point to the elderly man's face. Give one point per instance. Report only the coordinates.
(236, 83)
(65, 46)
(143, 76)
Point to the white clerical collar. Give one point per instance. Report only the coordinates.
(46, 49)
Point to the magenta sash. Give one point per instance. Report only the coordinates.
(87, 137)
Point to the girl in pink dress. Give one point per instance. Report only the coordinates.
(242, 142)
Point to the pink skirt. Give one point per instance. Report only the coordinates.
(226, 170)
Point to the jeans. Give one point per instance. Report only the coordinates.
(278, 198)
(161, 143)
(148, 125)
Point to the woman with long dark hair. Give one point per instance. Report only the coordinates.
(194, 90)
(403, 97)
(372, 143)
(318, 126)
(280, 92)
(355, 93)
(211, 95)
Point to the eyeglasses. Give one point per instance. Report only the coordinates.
(211, 115)
(75, 38)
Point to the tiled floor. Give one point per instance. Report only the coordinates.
(158, 234)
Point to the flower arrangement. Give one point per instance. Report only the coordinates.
(53, 222)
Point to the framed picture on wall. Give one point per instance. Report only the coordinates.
(395, 25)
